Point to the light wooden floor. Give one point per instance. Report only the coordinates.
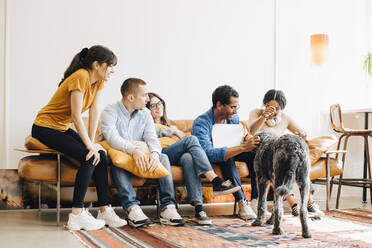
(28, 228)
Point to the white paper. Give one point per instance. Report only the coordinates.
(228, 135)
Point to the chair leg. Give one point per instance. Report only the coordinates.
(332, 179)
(157, 203)
(58, 188)
(368, 164)
(39, 200)
(235, 203)
(327, 183)
(340, 178)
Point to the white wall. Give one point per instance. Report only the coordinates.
(2, 84)
(183, 49)
(312, 89)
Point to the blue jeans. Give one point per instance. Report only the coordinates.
(126, 193)
(188, 153)
(230, 172)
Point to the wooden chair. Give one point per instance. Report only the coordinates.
(346, 133)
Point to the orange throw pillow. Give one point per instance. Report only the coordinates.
(318, 146)
(126, 161)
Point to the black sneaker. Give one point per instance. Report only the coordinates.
(225, 188)
(202, 219)
(295, 209)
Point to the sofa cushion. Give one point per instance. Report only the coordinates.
(126, 161)
(44, 169)
(177, 172)
(319, 145)
(183, 125)
(318, 169)
(32, 143)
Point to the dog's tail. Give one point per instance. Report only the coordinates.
(286, 187)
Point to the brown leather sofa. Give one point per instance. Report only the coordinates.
(43, 167)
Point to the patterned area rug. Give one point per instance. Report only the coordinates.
(346, 228)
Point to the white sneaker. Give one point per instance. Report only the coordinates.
(245, 210)
(254, 205)
(170, 216)
(84, 220)
(136, 217)
(111, 218)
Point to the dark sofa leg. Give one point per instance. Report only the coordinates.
(157, 203)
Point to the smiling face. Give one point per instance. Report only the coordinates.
(229, 110)
(275, 105)
(156, 108)
(103, 71)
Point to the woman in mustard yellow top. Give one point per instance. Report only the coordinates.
(80, 90)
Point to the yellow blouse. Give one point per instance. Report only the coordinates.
(57, 113)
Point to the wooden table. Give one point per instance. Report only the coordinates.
(366, 112)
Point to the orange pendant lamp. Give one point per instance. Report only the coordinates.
(319, 49)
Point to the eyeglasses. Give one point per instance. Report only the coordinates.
(158, 104)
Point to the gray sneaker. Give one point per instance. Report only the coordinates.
(202, 219)
(314, 211)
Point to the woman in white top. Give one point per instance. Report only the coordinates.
(272, 119)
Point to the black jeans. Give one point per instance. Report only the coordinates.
(229, 171)
(70, 144)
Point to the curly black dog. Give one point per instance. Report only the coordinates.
(281, 161)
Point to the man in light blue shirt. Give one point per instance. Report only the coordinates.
(122, 123)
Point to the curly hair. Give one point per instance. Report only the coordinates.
(276, 95)
(223, 94)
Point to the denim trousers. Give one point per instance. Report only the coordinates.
(230, 172)
(126, 192)
(188, 153)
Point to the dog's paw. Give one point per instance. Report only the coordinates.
(257, 223)
(307, 235)
(315, 218)
(278, 231)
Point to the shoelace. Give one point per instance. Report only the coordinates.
(227, 183)
(313, 207)
(112, 212)
(137, 211)
(88, 213)
(203, 214)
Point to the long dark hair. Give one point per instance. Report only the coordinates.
(86, 57)
(164, 119)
